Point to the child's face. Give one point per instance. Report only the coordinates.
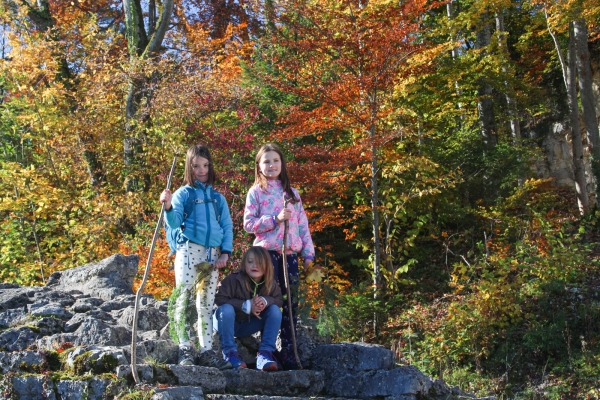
(253, 270)
(270, 165)
(200, 166)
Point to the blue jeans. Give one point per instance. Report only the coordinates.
(228, 328)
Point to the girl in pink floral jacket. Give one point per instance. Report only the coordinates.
(264, 216)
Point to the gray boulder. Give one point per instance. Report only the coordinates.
(106, 279)
(149, 318)
(157, 351)
(96, 332)
(210, 379)
(47, 309)
(75, 322)
(57, 341)
(178, 393)
(86, 304)
(14, 298)
(48, 295)
(285, 383)
(11, 317)
(14, 361)
(71, 390)
(48, 326)
(32, 387)
(366, 371)
(18, 339)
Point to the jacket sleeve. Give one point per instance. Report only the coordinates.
(225, 294)
(226, 225)
(174, 216)
(254, 222)
(275, 297)
(308, 248)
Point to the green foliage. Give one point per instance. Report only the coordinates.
(522, 301)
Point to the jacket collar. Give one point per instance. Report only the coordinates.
(276, 183)
(198, 184)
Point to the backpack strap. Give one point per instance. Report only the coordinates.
(215, 196)
(188, 209)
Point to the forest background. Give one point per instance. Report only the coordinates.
(411, 130)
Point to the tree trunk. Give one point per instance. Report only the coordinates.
(584, 71)
(454, 51)
(568, 70)
(511, 103)
(485, 103)
(142, 45)
(571, 85)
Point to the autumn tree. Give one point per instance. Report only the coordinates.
(64, 180)
(341, 61)
(576, 73)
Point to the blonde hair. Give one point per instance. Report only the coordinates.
(263, 260)
(261, 180)
(198, 151)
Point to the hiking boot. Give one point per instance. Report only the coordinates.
(210, 359)
(265, 361)
(186, 355)
(235, 359)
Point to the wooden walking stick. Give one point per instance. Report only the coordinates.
(141, 288)
(287, 285)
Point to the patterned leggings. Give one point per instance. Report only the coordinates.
(187, 257)
(294, 279)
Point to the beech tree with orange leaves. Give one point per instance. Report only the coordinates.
(341, 60)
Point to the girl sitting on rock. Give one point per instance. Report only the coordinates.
(249, 301)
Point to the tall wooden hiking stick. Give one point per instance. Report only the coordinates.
(287, 285)
(141, 288)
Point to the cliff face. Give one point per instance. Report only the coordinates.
(71, 340)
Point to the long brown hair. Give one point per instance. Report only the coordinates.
(263, 260)
(262, 181)
(198, 151)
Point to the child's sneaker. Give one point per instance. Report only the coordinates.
(235, 359)
(265, 361)
(186, 355)
(210, 359)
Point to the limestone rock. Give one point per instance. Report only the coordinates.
(106, 279)
(18, 339)
(178, 393)
(285, 383)
(210, 379)
(26, 360)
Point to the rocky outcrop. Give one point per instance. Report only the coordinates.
(72, 338)
(107, 279)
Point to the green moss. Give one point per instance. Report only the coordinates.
(82, 363)
(53, 361)
(31, 368)
(67, 376)
(106, 363)
(136, 395)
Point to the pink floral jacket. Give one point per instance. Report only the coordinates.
(259, 218)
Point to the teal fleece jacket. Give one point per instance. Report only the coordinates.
(201, 226)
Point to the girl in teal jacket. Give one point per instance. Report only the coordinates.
(206, 237)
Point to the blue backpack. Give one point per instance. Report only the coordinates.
(173, 235)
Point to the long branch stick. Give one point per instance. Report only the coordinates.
(141, 288)
(287, 286)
